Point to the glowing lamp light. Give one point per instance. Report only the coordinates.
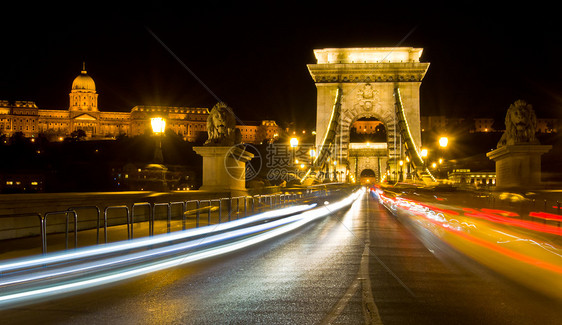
(401, 163)
(294, 142)
(434, 165)
(424, 153)
(443, 141)
(158, 125)
(312, 153)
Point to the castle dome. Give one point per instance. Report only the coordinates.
(83, 82)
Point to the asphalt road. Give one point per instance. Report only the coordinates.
(361, 266)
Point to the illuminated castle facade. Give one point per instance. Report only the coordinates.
(83, 114)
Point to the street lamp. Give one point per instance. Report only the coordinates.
(158, 127)
(294, 142)
(312, 154)
(157, 168)
(443, 142)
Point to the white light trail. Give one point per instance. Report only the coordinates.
(261, 233)
(144, 242)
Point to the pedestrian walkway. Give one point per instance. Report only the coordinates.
(30, 246)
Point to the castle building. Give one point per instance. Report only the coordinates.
(83, 114)
(366, 127)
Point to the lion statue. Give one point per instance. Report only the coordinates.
(520, 125)
(221, 127)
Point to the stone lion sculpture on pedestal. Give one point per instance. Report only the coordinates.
(221, 127)
(520, 125)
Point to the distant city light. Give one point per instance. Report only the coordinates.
(443, 141)
(294, 142)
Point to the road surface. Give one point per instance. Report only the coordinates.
(361, 266)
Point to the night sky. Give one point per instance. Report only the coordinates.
(254, 57)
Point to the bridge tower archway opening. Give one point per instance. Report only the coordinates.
(367, 148)
(367, 129)
(368, 177)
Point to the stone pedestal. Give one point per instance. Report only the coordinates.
(518, 166)
(224, 169)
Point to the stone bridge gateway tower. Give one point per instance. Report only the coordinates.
(367, 79)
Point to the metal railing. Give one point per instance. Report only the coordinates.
(233, 207)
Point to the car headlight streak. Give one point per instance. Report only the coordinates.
(145, 242)
(20, 282)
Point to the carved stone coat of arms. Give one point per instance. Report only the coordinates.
(367, 98)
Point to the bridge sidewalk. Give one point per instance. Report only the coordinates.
(31, 246)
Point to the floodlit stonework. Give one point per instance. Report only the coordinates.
(367, 78)
(518, 156)
(83, 114)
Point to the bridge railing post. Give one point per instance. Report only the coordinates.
(98, 217)
(139, 204)
(116, 207)
(168, 215)
(66, 213)
(183, 209)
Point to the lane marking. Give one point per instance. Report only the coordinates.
(362, 280)
(344, 300)
(370, 310)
